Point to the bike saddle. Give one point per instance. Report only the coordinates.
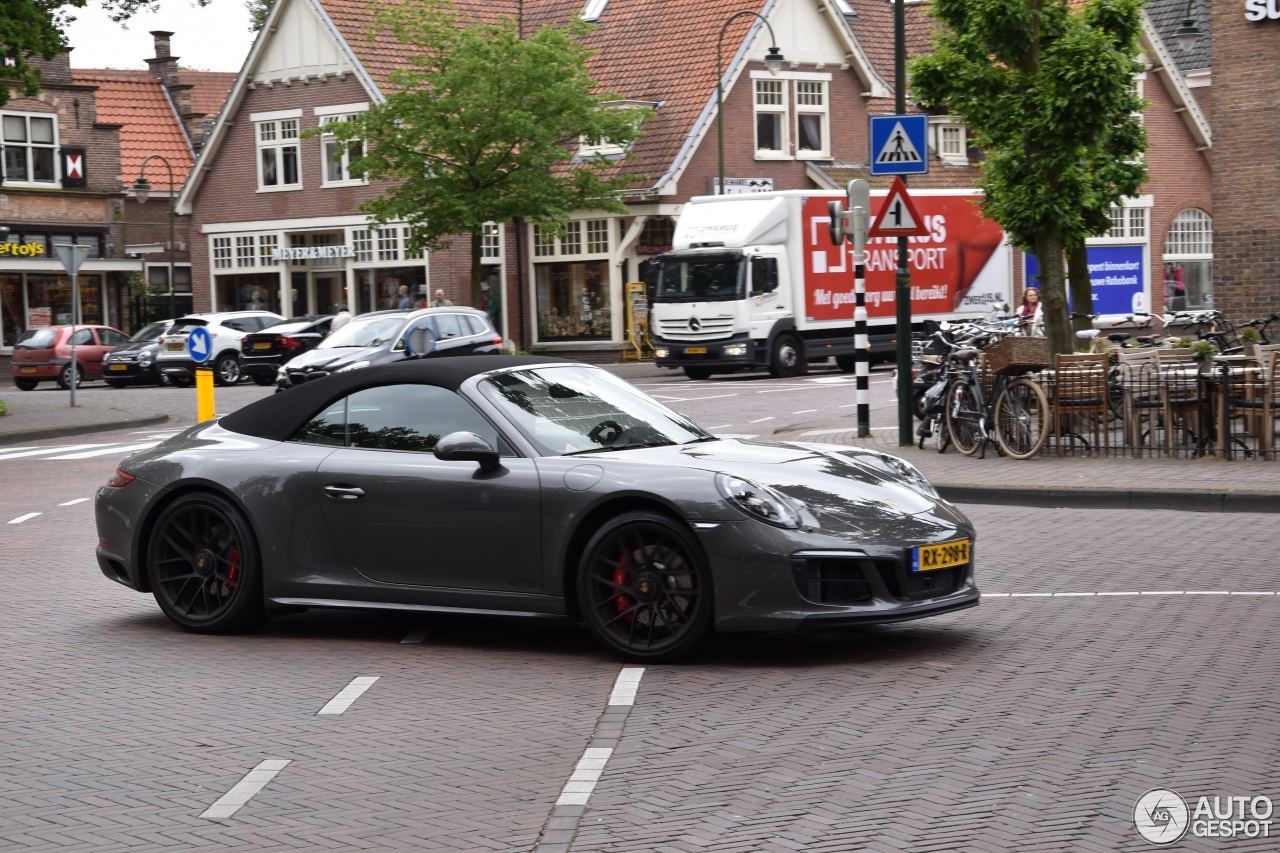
(1088, 334)
(965, 354)
(1118, 337)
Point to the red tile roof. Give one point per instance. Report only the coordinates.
(208, 89)
(137, 101)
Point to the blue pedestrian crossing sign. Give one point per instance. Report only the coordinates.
(899, 145)
(199, 344)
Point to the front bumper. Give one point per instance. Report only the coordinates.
(130, 371)
(181, 368)
(738, 351)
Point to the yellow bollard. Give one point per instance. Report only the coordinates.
(204, 394)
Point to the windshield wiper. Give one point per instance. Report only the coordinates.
(704, 438)
(632, 446)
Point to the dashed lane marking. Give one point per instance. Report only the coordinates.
(761, 420)
(73, 502)
(253, 782)
(23, 518)
(626, 685)
(586, 774)
(348, 695)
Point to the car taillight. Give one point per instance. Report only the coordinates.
(120, 479)
(497, 340)
(287, 342)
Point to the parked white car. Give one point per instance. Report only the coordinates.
(226, 329)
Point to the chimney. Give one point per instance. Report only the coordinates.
(164, 65)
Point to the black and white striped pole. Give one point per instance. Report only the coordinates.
(855, 223)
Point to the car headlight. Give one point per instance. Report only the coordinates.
(661, 352)
(145, 358)
(910, 473)
(355, 365)
(759, 501)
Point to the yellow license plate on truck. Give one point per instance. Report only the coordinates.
(926, 558)
(695, 350)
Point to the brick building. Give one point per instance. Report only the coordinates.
(69, 156)
(260, 188)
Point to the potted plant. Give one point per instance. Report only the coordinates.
(1250, 337)
(1203, 351)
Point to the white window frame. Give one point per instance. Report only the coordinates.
(822, 110)
(1191, 234)
(789, 110)
(949, 140)
(594, 9)
(782, 111)
(491, 243)
(1130, 222)
(221, 252)
(329, 142)
(269, 133)
(577, 242)
(29, 146)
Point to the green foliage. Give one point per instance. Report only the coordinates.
(32, 29)
(258, 10)
(1250, 335)
(4, 408)
(1204, 349)
(1047, 93)
(483, 126)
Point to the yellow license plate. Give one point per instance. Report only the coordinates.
(695, 350)
(176, 347)
(26, 370)
(263, 345)
(119, 367)
(926, 558)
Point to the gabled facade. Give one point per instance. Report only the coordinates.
(279, 219)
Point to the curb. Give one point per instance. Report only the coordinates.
(19, 436)
(1071, 498)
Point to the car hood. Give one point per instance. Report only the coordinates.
(844, 489)
(331, 359)
(140, 346)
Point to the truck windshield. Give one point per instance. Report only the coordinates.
(700, 278)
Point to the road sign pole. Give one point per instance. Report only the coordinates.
(902, 279)
(71, 257)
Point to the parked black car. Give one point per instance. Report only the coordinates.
(262, 353)
(134, 363)
(380, 338)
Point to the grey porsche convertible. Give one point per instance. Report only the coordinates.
(530, 486)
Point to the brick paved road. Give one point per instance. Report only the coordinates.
(1027, 724)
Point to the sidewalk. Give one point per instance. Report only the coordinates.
(26, 423)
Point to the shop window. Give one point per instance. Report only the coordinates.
(771, 117)
(246, 253)
(656, 236)
(29, 143)
(573, 301)
(362, 242)
(389, 244)
(221, 253)
(278, 154)
(597, 237)
(811, 118)
(12, 322)
(49, 301)
(571, 241)
(544, 242)
(326, 240)
(1188, 261)
(267, 245)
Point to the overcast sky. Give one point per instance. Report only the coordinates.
(210, 38)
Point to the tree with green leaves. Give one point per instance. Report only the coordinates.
(483, 126)
(1046, 88)
(31, 29)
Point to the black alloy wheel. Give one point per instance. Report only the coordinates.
(26, 384)
(226, 370)
(644, 588)
(202, 563)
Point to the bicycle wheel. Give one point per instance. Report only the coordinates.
(1022, 419)
(964, 417)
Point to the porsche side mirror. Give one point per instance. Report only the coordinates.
(467, 447)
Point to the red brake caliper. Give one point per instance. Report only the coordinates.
(233, 573)
(622, 602)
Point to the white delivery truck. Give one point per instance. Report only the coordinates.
(753, 281)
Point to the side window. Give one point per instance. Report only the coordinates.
(396, 417)
(238, 325)
(447, 326)
(111, 338)
(82, 337)
(764, 275)
(472, 325)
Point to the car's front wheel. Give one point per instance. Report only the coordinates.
(644, 588)
(69, 375)
(203, 566)
(227, 370)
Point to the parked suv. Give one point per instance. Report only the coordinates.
(379, 338)
(43, 355)
(262, 353)
(226, 329)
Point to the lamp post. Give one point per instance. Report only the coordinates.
(772, 60)
(1189, 33)
(142, 190)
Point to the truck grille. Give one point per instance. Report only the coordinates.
(712, 328)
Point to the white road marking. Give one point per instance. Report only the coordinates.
(626, 685)
(693, 399)
(738, 435)
(39, 451)
(348, 694)
(804, 411)
(74, 502)
(1111, 594)
(586, 774)
(26, 517)
(417, 635)
(722, 426)
(118, 450)
(833, 380)
(253, 782)
(761, 420)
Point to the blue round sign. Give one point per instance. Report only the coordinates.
(200, 344)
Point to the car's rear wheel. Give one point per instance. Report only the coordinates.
(26, 384)
(644, 588)
(226, 370)
(71, 373)
(203, 566)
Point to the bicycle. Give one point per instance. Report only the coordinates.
(1018, 420)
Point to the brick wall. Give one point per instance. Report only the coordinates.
(1246, 167)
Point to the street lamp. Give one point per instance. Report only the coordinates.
(142, 191)
(1189, 33)
(772, 60)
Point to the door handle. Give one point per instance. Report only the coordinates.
(344, 493)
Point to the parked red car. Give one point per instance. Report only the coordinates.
(43, 355)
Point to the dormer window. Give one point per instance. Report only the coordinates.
(595, 8)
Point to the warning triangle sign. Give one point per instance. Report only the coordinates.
(898, 216)
(898, 148)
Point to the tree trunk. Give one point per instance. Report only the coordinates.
(1081, 289)
(476, 269)
(1050, 247)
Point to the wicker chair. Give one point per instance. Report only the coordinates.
(1183, 404)
(1080, 389)
(1142, 395)
(1249, 393)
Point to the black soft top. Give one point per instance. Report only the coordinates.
(281, 415)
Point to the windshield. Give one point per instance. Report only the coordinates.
(700, 277)
(186, 324)
(370, 332)
(572, 409)
(288, 327)
(38, 339)
(150, 332)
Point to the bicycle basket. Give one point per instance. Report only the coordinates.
(1016, 354)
